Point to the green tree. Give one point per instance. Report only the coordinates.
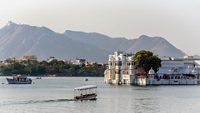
(55, 66)
(146, 60)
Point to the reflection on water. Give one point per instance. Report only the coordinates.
(51, 95)
(149, 104)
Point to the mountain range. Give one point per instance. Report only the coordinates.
(20, 39)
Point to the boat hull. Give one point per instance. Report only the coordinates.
(93, 97)
(12, 81)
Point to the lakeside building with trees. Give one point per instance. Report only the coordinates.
(139, 69)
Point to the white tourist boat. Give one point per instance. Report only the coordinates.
(88, 92)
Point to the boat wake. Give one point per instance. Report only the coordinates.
(46, 101)
(35, 101)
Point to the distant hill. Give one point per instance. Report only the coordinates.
(20, 39)
(158, 45)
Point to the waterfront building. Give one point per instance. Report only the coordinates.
(19, 59)
(120, 68)
(28, 58)
(51, 58)
(80, 62)
(174, 71)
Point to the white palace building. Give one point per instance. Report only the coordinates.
(174, 71)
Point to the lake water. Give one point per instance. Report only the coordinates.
(50, 94)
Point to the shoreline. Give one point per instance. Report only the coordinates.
(53, 76)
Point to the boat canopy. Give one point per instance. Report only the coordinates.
(85, 87)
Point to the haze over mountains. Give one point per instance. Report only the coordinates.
(20, 39)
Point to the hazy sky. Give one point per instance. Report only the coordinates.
(178, 21)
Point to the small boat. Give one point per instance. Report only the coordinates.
(38, 77)
(88, 92)
(86, 79)
(19, 79)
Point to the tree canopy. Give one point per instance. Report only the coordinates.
(54, 67)
(146, 60)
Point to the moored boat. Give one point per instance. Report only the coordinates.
(19, 79)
